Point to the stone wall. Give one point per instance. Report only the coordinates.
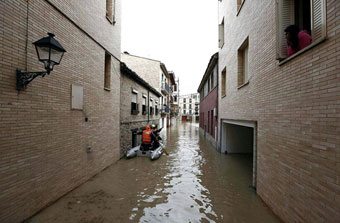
(43, 141)
(130, 122)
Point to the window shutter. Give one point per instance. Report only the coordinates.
(318, 19)
(284, 18)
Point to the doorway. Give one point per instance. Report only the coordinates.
(239, 137)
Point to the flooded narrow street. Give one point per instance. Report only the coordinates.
(194, 183)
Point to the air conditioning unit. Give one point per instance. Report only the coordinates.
(215, 112)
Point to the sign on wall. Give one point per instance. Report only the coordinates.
(77, 97)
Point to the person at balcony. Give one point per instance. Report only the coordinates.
(296, 39)
(146, 139)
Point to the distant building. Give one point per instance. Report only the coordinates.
(156, 75)
(208, 90)
(189, 107)
(139, 107)
(63, 128)
(174, 98)
(283, 110)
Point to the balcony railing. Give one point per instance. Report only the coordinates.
(165, 109)
(165, 88)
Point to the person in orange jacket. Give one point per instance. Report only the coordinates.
(146, 138)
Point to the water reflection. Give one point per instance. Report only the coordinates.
(194, 183)
(201, 185)
(186, 198)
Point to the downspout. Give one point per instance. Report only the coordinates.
(26, 43)
(148, 106)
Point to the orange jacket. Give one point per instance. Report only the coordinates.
(146, 137)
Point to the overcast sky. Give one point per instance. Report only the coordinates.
(180, 33)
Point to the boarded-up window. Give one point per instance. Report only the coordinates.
(77, 97)
(243, 66)
(224, 84)
(107, 72)
(309, 15)
(221, 34)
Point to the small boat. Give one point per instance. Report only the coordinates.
(153, 154)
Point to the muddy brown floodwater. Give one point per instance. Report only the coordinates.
(194, 183)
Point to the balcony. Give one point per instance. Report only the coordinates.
(165, 110)
(165, 88)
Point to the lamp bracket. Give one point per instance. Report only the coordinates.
(24, 78)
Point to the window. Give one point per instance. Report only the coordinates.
(134, 138)
(212, 123)
(243, 74)
(184, 106)
(190, 112)
(144, 105)
(221, 34)
(184, 112)
(107, 72)
(134, 104)
(215, 76)
(308, 15)
(208, 121)
(184, 100)
(190, 106)
(151, 106)
(224, 84)
(110, 10)
(211, 81)
(209, 86)
(175, 87)
(156, 108)
(190, 100)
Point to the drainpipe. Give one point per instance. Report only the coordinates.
(148, 106)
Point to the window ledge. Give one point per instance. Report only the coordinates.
(107, 89)
(110, 20)
(239, 9)
(302, 51)
(242, 85)
(223, 96)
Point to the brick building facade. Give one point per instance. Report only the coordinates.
(283, 110)
(139, 106)
(208, 90)
(48, 148)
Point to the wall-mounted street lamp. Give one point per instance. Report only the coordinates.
(49, 52)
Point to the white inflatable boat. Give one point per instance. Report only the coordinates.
(153, 154)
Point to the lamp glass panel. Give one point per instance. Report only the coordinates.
(43, 53)
(56, 55)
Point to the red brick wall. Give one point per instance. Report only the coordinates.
(296, 106)
(43, 142)
(208, 104)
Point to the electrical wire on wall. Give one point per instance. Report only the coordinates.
(26, 45)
